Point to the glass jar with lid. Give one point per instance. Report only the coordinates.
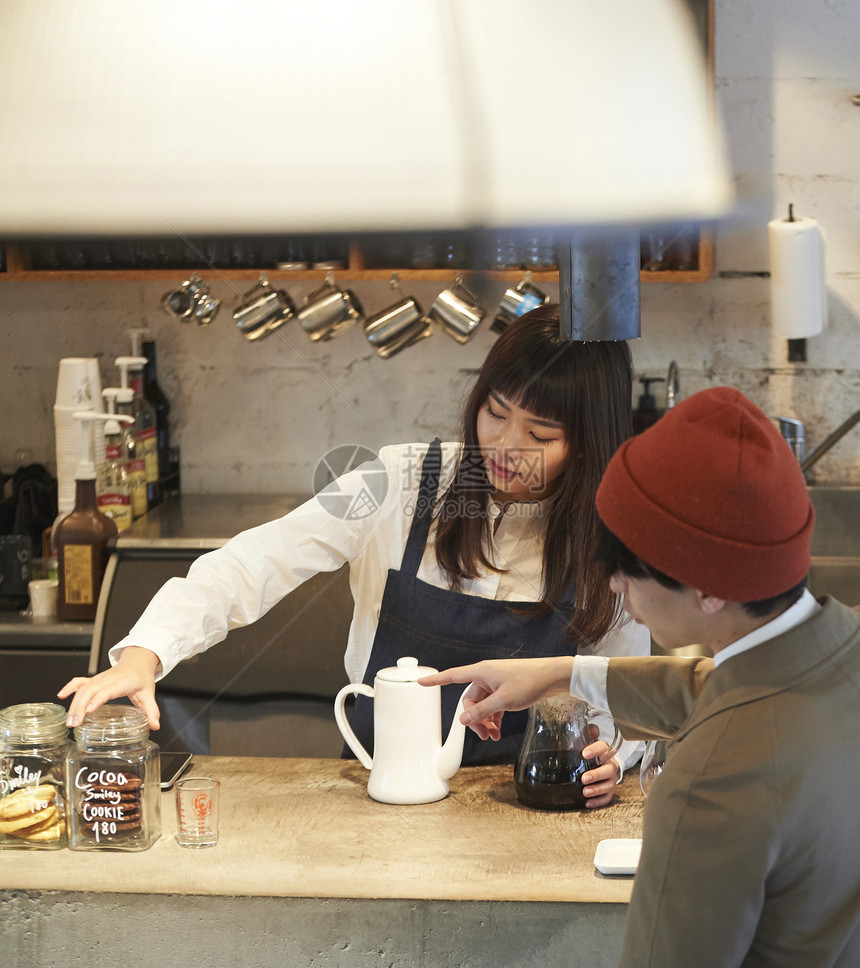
(112, 773)
(33, 746)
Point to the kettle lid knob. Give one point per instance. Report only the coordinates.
(406, 670)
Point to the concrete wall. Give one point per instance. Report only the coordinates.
(62, 930)
(256, 417)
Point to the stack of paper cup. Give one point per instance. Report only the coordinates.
(98, 404)
(78, 388)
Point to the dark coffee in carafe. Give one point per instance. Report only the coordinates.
(552, 780)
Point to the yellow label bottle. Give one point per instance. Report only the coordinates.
(82, 548)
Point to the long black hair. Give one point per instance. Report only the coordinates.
(585, 386)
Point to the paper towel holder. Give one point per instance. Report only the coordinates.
(796, 347)
(797, 350)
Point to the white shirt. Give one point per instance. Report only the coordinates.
(363, 518)
(804, 608)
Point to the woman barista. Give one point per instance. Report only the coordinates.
(480, 549)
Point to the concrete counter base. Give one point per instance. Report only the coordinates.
(72, 930)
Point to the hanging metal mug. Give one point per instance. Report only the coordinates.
(518, 301)
(329, 310)
(182, 302)
(205, 308)
(457, 311)
(263, 310)
(398, 326)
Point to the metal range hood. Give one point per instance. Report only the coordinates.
(598, 280)
(286, 116)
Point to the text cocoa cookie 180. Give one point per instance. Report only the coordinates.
(113, 809)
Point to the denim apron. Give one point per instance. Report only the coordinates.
(443, 628)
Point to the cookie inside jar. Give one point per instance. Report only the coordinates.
(33, 802)
(112, 776)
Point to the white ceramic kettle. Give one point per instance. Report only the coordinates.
(410, 764)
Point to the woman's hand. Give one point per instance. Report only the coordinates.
(598, 785)
(500, 684)
(132, 676)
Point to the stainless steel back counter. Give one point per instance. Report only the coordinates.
(267, 689)
(205, 521)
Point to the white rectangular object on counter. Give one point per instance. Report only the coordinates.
(619, 856)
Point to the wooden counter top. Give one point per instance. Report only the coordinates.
(307, 828)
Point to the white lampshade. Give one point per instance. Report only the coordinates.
(154, 116)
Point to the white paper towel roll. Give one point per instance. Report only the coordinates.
(798, 291)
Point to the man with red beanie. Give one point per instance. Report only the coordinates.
(751, 848)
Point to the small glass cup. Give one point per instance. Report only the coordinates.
(197, 807)
(43, 599)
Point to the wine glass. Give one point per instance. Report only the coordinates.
(651, 765)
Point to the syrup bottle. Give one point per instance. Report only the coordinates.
(143, 346)
(130, 455)
(113, 487)
(146, 431)
(83, 538)
(160, 404)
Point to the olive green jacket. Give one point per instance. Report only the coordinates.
(751, 842)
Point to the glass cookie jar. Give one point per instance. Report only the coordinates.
(112, 773)
(33, 745)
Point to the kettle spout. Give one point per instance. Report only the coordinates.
(450, 755)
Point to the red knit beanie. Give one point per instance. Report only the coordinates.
(712, 496)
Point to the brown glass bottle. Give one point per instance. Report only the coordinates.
(82, 539)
